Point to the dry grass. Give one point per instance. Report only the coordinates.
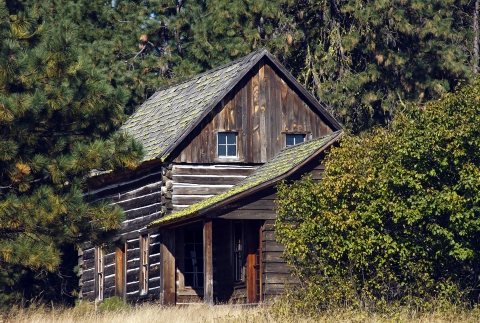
(152, 313)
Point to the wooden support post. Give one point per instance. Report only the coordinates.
(251, 297)
(208, 262)
(167, 267)
(120, 273)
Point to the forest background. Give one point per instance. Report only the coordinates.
(71, 72)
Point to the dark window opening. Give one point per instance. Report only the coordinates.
(227, 144)
(238, 251)
(193, 242)
(293, 139)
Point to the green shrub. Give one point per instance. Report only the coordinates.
(396, 219)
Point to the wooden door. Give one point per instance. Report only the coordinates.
(254, 261)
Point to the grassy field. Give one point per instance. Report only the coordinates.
(153, 313)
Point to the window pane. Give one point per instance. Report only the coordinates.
(188, 248)
(290, 140)
(188, 266)
(199, 250)
(199, 280)
(222, 138)
(231, 150)
(299, 138)
(189, 236)
(198, 236)
(231, 138)
(222, 150)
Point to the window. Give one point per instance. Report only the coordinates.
(193, 242)
(227, 144)
(293, 139)
(99, 268)
(144, 249)
(238, 251)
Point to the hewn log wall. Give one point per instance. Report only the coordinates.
(138, 193)
(194, 183)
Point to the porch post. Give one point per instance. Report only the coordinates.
(120, 272)
(167, 267)
(208, 262)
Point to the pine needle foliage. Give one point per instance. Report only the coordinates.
(57, 118)
(396, 219)
(363, 59)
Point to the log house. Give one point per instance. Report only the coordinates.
(200, 209)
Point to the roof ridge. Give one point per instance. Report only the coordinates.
(215, 69)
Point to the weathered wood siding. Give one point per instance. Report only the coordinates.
(138, 193)
(262, 108)
(276, 272)
(192, 183)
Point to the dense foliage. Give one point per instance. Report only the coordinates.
(361, 58)
(57, 116)
(397, 216)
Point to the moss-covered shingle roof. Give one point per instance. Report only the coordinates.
(166, 115)
(162, 121)
(274, 170)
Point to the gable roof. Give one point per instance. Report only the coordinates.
(169, 115)
(279, 167)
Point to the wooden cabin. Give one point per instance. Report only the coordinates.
(200, 209)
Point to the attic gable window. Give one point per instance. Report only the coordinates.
(227, 144)
(293, 139)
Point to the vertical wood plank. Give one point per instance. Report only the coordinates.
(269, 111)
(251, 291)
(208, 262)
(296, 113)
(120, 273)
(276, 95)
(256, 144)
(241, 117)
(260, 242)
(248, 125)
(262, 104)
(220, 117)
(167, 277)
(290, 113)
(239, 104)
(232, 113)
(304, 117)
(284, 111)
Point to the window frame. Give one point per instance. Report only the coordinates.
(226, 156)
(287, 135)
(238, 252)
(99, 273)
(198, 266)
(144, 263)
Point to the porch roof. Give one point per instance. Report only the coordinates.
(279, 167)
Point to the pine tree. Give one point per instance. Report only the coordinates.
(365, 59)
(58, 116)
